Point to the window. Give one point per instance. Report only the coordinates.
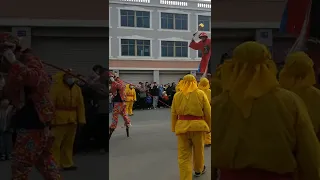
(174, 49)
(174, 21)
(206, 21)
(139, 19)
(132, 47)
(199, 54)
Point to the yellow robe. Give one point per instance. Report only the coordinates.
(311, 98)
(216, 85)
(278, 135)
(69, 112)
(130, 99)
(204, 86)
(190, 130)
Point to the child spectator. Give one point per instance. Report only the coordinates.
(149, 101)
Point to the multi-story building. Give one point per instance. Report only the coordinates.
(149, 38)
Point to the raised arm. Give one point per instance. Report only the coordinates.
(196, 45)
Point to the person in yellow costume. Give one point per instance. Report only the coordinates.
(131, 98)
(70, 112)
(260, 131)
(191, 119)
(298, 76)
(205, 87)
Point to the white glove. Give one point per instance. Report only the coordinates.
(10, 56)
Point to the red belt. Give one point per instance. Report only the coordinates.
(189, 117)
(66, 108)
(253, 174)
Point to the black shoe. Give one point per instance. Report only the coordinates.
(198, 174)
(71, 168)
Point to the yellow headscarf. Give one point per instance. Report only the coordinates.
(127, 89)
(249, 75)
(204, 84)
(298, 71)
(188, 84)
(178, 86)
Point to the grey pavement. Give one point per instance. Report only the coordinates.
(149, 153)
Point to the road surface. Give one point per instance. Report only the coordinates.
(150, 153)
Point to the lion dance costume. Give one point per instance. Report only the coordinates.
(119, 96)
(28, 88)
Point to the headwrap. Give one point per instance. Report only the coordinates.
(249, 75)
(298, 71)
(204, 84)
(127, 90)
(188, 84)
(179, 85)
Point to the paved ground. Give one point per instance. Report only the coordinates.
(150, 153)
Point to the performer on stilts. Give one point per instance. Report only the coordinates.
(204, 45)
(118, 91)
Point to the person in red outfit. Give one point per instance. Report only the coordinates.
(27, 88)
(119, 104)
(205, 47)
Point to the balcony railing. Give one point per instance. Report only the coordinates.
(192, 4)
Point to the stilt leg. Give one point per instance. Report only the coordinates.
(110, 132)
(127, 130)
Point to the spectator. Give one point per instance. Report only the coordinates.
(143, 95)
(6, 112)
(161, 89)
(88, 131)
(148, 101)
(165, 98)
(155, 95)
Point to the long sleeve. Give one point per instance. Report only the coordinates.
(134, 95)
(53, 95)
(80, 108)
(196, 46)
(207, 110)
(28, 75)
(173, 114)
(307, 146)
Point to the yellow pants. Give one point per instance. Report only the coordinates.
(207, 139)
(190, 153)
(62, 149)
(129, 107)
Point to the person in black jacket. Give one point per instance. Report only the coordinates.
(155, 95)
(88, 131)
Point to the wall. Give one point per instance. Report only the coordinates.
(154, 33)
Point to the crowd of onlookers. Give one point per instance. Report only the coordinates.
(151, 95)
